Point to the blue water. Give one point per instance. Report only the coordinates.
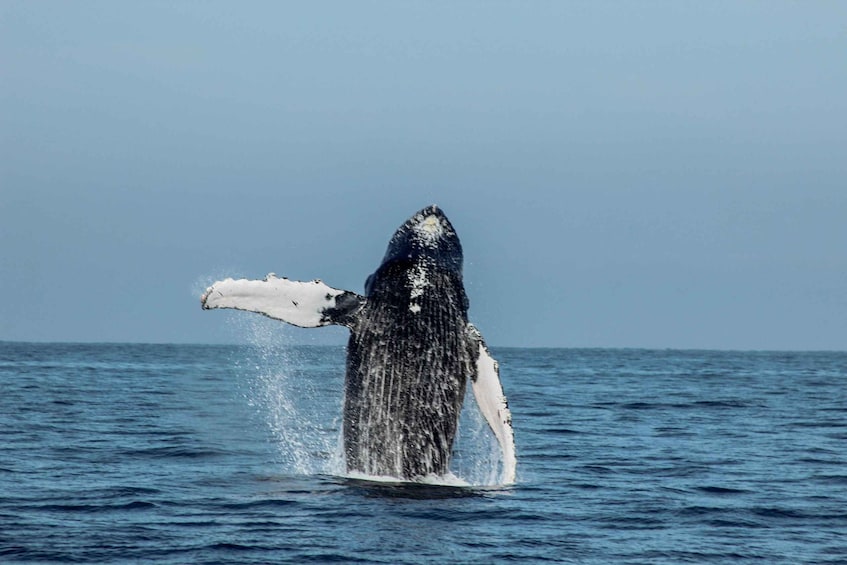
(202, 454)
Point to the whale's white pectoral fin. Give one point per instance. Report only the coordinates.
(305, 304)
(492, 402)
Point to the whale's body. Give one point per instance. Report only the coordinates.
(410, 354)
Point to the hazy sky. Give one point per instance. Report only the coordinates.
(641, 174)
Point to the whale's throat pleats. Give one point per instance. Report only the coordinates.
(410, 354)
(407, 369)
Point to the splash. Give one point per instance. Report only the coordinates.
(477, 457)
(301, 408)
(298, 393)
(448, 480)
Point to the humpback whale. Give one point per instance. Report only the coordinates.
(410, 354)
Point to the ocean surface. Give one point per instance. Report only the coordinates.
(229, 454)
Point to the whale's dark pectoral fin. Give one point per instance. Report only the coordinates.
(305, 304)
(493, 404)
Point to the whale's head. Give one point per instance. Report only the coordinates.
(426, 239)
(428, 235)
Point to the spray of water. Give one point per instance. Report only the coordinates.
(476, 453)
(301, 409)
(299, 394)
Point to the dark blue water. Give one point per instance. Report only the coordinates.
(200, 454)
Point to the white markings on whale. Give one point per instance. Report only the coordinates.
(410, 354)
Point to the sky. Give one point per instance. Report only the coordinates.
(621, 174)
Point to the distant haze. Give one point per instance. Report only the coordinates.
(645, 174)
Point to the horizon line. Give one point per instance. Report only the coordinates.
(539, 347)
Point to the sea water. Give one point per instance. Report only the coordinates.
(116, 453)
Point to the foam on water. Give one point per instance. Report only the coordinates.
(448, 480)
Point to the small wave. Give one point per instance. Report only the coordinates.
(717, 404)
(776, 512)
(697, 404)
(639, 522)
(130, 491)
(700, 511)
(643, 406)
(563, 431)
(95, 508)
(135, 505)
(720, 490)
(598, 469)
(831, 479)
(734, 522)
(172, 452)
(254, 504)
(225, 546)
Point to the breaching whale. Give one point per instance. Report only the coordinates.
(410, 353)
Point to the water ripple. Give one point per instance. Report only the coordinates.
(180, 454)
